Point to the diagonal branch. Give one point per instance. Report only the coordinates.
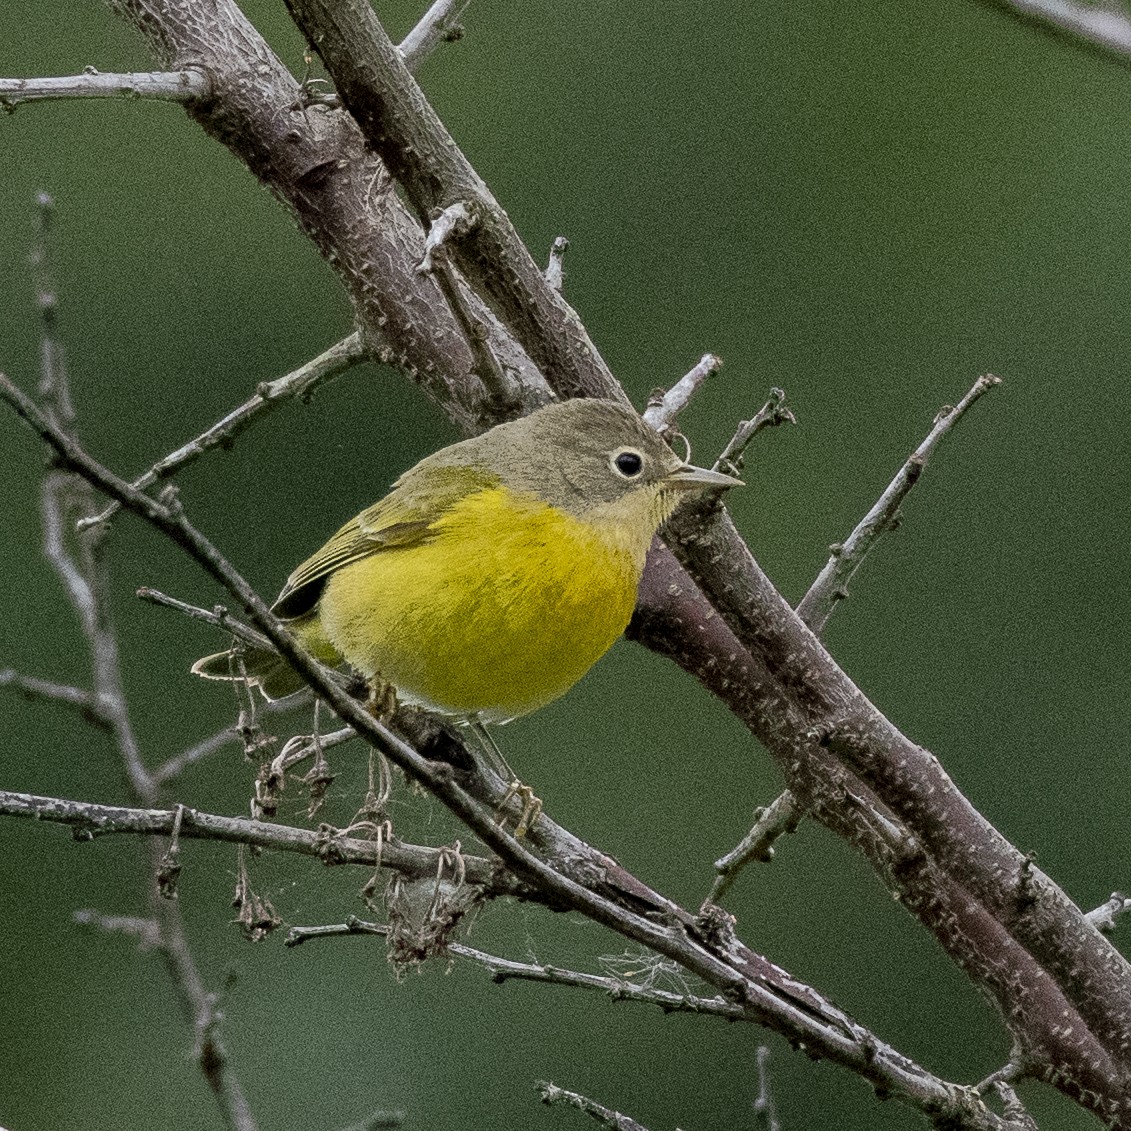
(440, 24)
(831, 585)
(299, 384)
(405, 132)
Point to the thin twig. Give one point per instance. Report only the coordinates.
(31, 687)
(555, 269)
(440, 24)
(301, 383)
(663, 408)
(831, 585)
(219, 616)
(779, 817)
(818, 604)
(171, 86)
(504, 969)
(146, 931)
(770, 415)
(765, 1110)
(613, 1120)
(79, 561)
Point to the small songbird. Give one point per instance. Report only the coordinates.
(495, 573)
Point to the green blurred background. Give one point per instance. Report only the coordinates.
(866, 204)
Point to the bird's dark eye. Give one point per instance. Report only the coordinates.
(628, 463)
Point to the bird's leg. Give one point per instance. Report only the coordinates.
(531, 804)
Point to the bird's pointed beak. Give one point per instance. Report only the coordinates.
(688, 477)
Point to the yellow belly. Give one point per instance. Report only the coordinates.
(503, 608)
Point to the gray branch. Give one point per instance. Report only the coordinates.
(846, 558)
(171, 86)
(664, 407)
(1101, 27)
(299, 384)
(613, 1120)
(88, 821)
(440, 24)
(505, 969)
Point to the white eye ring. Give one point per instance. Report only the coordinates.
(628, 463)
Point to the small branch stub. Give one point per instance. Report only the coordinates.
(453, 223)
(555, 269)
(613, 1120)
(663, 408)
(1103, 917)
(440, 24)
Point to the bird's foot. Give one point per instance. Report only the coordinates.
(528, 815)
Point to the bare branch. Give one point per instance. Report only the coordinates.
(31, 687)
(663, 408)
(504, 969)
(146, 931)
(300, 384)
(89, 820)
(770, 415)
(765, 1110)
(797, 1011)
(170, 86)
(402, 128)
(219, 616)
(552, 1094)
(831, 585)
(440, 24)
(81, 565)
(781, 816)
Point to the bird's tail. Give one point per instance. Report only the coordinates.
(265, 668)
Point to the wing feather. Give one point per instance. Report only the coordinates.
(403, 517)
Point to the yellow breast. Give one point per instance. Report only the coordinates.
(501, 609)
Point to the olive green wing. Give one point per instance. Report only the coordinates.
(403, 517)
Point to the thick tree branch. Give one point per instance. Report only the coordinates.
(318, 164)
(402, 128)
(999, 916)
